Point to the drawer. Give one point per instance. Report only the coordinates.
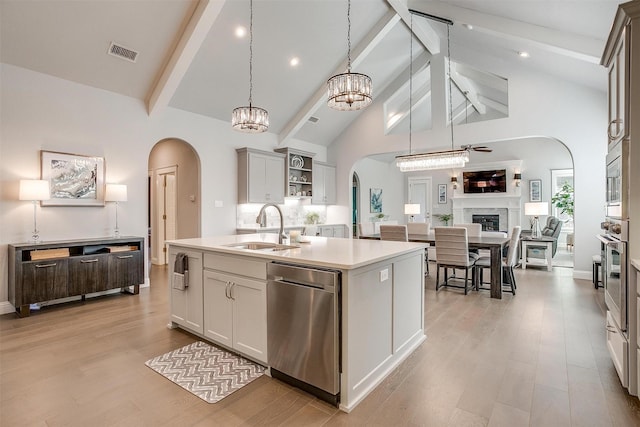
(245, 266)
(618, 348)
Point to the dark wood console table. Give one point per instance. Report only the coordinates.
(53, 270)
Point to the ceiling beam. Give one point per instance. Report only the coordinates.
(198, 27)
(504, 109)
(358, 54)
(421, 27)
(571, 45)
(467, 89)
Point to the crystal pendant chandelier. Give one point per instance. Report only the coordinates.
(249, 118)
(438, 159)
(349, 91)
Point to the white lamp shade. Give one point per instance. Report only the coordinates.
(412, 209)
(536, 208)
(34, 189)
(115, 193)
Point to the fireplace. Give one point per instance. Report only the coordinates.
(489, 222)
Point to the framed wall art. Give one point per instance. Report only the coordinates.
(74, 179)
(375, 198)
(535, 190)
(442, 193)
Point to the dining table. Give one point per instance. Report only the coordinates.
(494, 244)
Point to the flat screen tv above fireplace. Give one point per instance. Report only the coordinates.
(489, 181)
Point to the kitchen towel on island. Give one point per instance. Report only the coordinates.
(181, 271)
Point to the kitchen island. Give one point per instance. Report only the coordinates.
(381, 304)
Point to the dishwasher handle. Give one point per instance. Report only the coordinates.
(303, 275)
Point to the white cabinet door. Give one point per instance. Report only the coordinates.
(324, 184)
(218, 308)
(250, 317)
(266, 178)
(186, 305)
(236, 313)
(274, 180)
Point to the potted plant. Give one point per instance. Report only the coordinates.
(563, 199)
(445, 218)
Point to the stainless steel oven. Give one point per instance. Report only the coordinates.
(614, 269)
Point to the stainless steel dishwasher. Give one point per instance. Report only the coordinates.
(303, 328)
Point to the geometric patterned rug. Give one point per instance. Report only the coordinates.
(206, 371)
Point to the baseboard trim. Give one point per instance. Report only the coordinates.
(581, 274)
(6, 307)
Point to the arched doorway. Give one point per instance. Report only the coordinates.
(173, 196)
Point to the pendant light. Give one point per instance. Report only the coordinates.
(438, 159)
(249, 118)
(349, 91)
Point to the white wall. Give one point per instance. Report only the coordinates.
(539, 106)
(41, 112)
(377, 174)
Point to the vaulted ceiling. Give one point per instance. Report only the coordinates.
(189, 57)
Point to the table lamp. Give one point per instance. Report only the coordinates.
(535, 209)
(116, 193)
(412, 209)
(34, 190)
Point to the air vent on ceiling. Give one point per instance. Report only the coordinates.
(122, 52)
(313, 119)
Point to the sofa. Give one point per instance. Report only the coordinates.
(551, 229)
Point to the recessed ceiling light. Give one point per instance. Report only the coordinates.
(241, 31)
(294, 61)
(468, 26)
(523, 54)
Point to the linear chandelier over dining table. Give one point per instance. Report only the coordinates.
(433, 160)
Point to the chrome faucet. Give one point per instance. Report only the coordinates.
(262, 220)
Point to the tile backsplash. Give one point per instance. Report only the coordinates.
(294, 212)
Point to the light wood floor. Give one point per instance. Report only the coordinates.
(538, 359)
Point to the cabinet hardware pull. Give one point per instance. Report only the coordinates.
(611, 329)
(231, 291)
(125, 256)
(45, 265)
(87, 261)
(226, 290)
(613, 122)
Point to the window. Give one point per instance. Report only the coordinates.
(558, 178)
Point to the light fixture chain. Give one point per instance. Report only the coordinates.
(450, 92)
(349, 36)
(250, 51)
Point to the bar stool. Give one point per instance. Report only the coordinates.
(597, 265)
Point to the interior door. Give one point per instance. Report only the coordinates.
(166, 208)
(420, 193)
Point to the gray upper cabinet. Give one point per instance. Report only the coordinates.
(260, 176)
(298, 172)
(324, 184)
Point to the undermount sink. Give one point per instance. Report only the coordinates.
(261, 246)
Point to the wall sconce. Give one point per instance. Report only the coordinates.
(116, 193)
(454, 182)
(34, 190)
(517, 177)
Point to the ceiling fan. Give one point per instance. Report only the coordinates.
(480, 148)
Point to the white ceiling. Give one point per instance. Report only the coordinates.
(190, 59)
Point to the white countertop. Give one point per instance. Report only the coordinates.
(257, 228)
(337, 253)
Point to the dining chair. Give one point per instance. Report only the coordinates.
(397, 233)
(508, 263)
(422, 228)
(473, 229)
(452, 248)
(366, 228)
